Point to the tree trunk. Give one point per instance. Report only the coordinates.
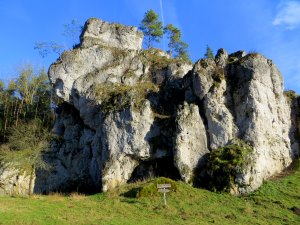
(36, 108)
(19, 111)
(149, 42)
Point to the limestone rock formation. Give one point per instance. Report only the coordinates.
(13, 183)
(103, 141)
(98, 32)
(246, 101)
(129, 113)
(197, 110)
(190, 141)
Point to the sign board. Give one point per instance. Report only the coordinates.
(159, 186)
(164, 188)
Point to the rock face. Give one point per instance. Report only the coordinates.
(190, 141)
(102, 145)
(13, 183)
(98, 32)
(246, 101)
(129, 113)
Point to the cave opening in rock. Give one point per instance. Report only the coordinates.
(161, 167)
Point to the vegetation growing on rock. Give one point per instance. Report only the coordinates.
(109, 59)
(116, 97)
(225, 163)
(290, 94)
(159, 60)
(24, 149)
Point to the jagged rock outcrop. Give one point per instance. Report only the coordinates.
(190, 141)
(98, 32)
(246, 101)
(102, 144)
(129, 113)
(234, 96)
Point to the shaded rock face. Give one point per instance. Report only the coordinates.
(196, 110)
(294, 133)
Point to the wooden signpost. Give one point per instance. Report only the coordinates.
(164, 188)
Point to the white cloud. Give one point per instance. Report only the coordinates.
(288, 15)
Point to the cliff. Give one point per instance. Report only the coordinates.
(128, 114)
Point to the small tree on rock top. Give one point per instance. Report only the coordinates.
(177, 48)
(151, 27)
(183, 52)
(209, 53)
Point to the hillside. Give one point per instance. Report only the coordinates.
(276, 202)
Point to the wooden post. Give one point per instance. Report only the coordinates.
(164, 188)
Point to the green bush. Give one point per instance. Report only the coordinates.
(225, 163)
(218, 76)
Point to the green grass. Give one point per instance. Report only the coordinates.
(272, 204)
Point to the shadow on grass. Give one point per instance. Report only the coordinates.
(132, 193)
(131, 196)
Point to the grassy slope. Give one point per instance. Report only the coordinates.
(271, 204)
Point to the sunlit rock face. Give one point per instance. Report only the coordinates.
(98, 149)
(246, 101)
(14, 183)
(162, 116)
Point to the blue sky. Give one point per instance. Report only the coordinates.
(271, 27)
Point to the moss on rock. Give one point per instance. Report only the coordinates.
(225, 163)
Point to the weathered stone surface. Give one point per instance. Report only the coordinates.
(202, 79)
(247, 102)
(198, 108)
(238, 96)
(190, 141)
(74, 159)
(126, 139)
(263, 117)
(100, 150)
(210, 86)
(13, 183)
(98, 32)
(221, 58)
(178, 70)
